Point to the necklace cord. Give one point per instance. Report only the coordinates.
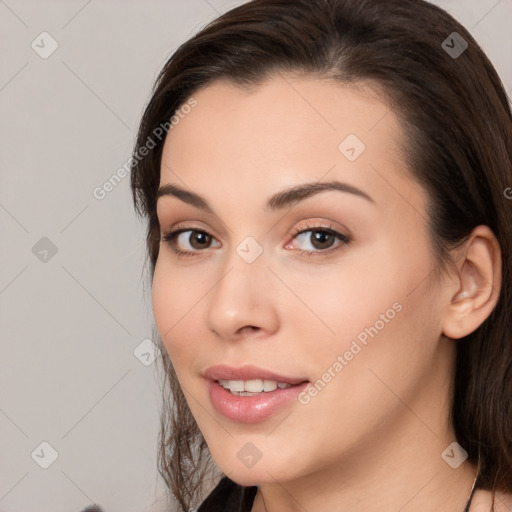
(468, 504)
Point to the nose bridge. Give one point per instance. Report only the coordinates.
(242, 297)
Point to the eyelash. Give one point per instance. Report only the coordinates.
(170, 239)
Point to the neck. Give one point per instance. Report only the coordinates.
(413, 477)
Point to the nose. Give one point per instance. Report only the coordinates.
(243, 302)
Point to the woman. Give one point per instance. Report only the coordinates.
(329, 235)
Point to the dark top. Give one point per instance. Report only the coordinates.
(229, 497)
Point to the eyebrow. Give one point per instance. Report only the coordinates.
(278, 201)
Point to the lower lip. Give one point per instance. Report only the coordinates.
(252, 409)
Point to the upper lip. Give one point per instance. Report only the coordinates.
(247, 372)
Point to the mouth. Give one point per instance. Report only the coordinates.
(252, 387)
(250, 394)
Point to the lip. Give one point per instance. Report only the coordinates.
(248, 372)
(255, 408)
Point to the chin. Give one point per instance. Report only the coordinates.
(251, 476)
(256, 471)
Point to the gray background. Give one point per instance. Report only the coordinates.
(71, 321)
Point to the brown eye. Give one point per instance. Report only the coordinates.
(199, 239)
(322, 239)
(319, 240)
(188, 241)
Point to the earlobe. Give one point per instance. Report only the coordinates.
(476, 284)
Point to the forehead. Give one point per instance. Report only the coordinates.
(282, 112)
(287, 130)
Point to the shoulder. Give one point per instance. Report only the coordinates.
(482, 501)
(503, 502)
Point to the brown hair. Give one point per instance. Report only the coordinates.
(458, 125)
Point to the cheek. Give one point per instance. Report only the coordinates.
(379, 312)
(345, 298)
(384, 317)
(163, 299)
(173, 300)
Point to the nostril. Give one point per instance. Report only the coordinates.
(92, 508)
(249, 328)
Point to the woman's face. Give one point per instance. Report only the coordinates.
(347, 311)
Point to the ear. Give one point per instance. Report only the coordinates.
(475, 285)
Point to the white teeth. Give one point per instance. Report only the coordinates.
(236, 385)
(252, 386)
(269, 385)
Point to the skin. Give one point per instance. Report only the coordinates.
(383, 422)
